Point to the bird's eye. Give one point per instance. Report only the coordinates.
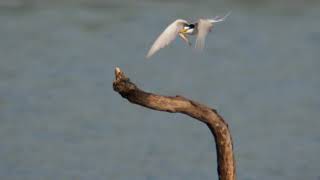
(191, 26)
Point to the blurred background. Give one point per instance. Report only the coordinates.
(61, 119)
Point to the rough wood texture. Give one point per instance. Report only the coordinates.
(179, 104)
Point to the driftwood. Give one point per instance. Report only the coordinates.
(179, 104)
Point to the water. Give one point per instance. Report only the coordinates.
(60, 118)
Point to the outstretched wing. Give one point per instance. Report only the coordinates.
(204, 27)
(166, 37)
(220, 18)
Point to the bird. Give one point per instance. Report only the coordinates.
(183, 29)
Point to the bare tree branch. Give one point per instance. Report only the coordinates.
(178, 104)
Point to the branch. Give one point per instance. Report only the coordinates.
(178, 104)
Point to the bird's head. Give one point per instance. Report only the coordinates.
(187, 29)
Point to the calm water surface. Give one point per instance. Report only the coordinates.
(60, 119)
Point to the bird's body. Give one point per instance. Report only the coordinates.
(184, 29)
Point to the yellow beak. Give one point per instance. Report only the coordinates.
(183, 31)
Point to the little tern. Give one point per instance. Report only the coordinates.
(183, 29)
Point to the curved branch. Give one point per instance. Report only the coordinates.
(178, 104)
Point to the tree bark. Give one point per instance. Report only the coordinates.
(178, 104)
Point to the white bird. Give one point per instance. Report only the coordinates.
(182, 28)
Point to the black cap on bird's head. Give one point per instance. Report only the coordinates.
(188, 29)
(191, 26)
(188, 26)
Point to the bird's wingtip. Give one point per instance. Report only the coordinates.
(220, 18)
(147, 56)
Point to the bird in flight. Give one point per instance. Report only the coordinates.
(183, 29)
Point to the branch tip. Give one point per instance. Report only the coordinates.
(117, 70)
